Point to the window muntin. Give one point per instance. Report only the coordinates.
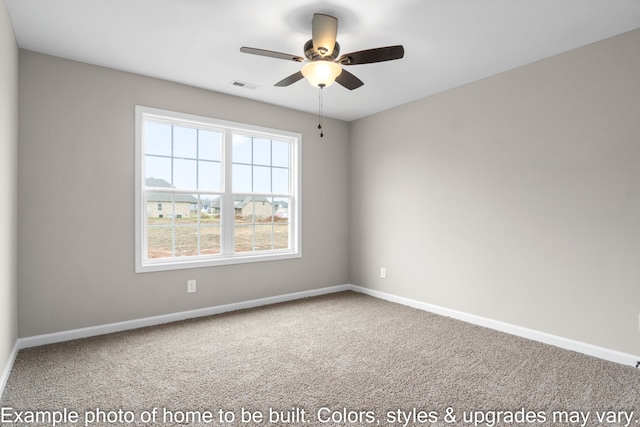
(211, 192)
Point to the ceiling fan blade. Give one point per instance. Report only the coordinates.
(271, 54)
(348, 80)
(369, 56)
(324, 31)
(290, 80)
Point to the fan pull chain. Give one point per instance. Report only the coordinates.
(321, 86)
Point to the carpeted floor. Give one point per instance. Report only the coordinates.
(339, 359)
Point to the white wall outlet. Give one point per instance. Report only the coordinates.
(191, 286)
(383, 273)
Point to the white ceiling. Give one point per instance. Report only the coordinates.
(196, 42)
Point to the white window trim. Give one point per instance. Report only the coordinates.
(143, 265)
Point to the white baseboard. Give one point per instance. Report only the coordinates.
(173, 317)
(565, 343)
(4, 377)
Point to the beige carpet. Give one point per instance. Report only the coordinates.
(340, 359)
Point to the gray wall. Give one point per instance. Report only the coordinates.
(516, 198)
(8, 185)
(76, 161)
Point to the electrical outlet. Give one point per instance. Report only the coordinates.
(383, 273)
(191, 286)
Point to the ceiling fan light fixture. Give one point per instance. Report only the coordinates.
(321, 73)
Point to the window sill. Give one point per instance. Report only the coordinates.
(180, 264)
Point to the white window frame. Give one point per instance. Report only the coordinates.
(144, 264)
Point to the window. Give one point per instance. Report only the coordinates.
(211, 192)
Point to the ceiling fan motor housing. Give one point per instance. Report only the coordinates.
(312, 55)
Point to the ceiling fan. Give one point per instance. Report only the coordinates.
(323, 65)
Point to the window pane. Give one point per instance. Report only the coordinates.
(209, 145)
(211, 209)
(254, 209)
(241, 178)
(184, 174)
(157, 139)
(185, 206)
(280, 180)
(262, 151)
(243, 237)
(281, 238)
(159, 242)
(263, 209)
(159, 207)
(184, 142)
(263, 237)
(281, 208)
(261, 179)
(158, 168)
(209, 239)
(209, 175)
(280, 154)
(241, 149)
(186, 240)
(244, 208)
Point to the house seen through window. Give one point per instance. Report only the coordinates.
(211, 192)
